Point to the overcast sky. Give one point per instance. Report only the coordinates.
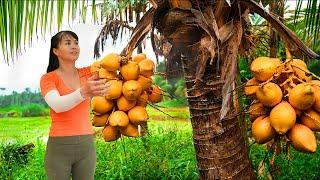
(32, 63)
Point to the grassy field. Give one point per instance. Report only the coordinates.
(169, 142)
(23, 129)
(166, 153)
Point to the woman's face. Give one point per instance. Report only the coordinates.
(68, 49)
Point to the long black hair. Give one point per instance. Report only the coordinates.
(55, 40)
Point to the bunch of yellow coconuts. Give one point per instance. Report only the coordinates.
(286, 102)
(131, 88)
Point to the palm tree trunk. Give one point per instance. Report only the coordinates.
(220, 147)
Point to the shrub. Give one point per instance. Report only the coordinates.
(33, 110)
(13, 113)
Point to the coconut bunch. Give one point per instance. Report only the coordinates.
(131, 88)
(285, 103)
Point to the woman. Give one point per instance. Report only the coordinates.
(67, 91)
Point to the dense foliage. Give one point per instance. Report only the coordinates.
(20, 99)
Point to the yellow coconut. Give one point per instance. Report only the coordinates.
(104, 74)
(146, 67)
(303, 139)
(143, 99)
(256, 110)
(262, 131)
(114, 89)
(99, 121)
(260, 117)
(155, 95)
(316, 88)
(118, 118)
(138, 115)
(311, 119)
(111, 62)
(101, 105)
(131, 90)
(300, 68)
(315, 84)
(282, 117)
(302, 96)
(95, 66)
(145, 82)
(139, 57)
(124, 104)
(130, 130)
(110, 133)
(269, 94)
(251, 87)
(264, 68)
(130, 71)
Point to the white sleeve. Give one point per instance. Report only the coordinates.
(63, 103)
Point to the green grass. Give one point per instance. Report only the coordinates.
(301, 165)
(166, 153)
(180, 102)
(177, 113)
(23, 129)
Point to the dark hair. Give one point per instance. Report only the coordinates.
(55, 40)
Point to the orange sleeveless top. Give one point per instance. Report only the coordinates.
(76, 121)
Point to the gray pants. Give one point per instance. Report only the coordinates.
(70, 155)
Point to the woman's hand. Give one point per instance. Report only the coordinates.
(94, 87)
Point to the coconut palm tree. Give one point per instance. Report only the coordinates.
(209, 35)
(206, 38)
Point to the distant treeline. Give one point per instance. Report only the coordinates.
(21, 99)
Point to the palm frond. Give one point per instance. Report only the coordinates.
(22, 20)
(112, 28)
(119, 16)
(143, 27)
(296, 45)
(311, 15)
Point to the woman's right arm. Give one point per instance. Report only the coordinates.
(63, 103)
(58, 103)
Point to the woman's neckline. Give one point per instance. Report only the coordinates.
(63, 82)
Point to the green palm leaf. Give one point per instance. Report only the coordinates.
(311, 14)
(22, 20)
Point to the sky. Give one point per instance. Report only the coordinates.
(33, 62)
